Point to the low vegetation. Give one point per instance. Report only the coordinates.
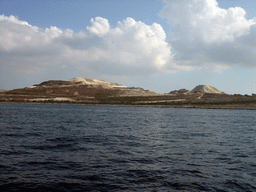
(66, 92)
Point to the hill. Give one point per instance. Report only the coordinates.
(91, 91)
(74, 90)
(180, 91)
(206, 89)
(79, 81)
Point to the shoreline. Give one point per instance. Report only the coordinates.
(185, 106)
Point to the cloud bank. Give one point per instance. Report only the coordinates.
(132, 47)
(204, 34)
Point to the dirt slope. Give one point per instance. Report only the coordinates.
(206, 89)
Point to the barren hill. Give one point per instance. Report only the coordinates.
(206, 89)
(78, 81)
(77, 89)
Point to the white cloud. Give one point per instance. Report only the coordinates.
(132, 47)
(205, 34)
(100, 26)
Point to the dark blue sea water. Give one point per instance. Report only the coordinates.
(109, 148)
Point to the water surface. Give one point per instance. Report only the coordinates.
(108, 148)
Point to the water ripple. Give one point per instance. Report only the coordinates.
(100, 148)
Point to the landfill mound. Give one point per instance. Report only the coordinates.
(206, 89)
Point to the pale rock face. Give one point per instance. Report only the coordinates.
(94, 82)
(206, 89)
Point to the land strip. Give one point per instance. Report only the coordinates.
(98, 92)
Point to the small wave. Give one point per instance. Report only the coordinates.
(61, 139)
(144, 160)
(237, 186)
(40, 163)
(12, 152)
(54, 147)
(13, 135)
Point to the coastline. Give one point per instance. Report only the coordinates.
(84, 91)
(241, 106)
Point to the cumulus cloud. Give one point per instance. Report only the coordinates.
(203, 34)
(100, 26)
(132, 47)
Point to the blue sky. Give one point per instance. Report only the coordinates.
(158, 45)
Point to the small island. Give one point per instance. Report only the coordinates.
(99, 92)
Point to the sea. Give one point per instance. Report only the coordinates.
(54, 147)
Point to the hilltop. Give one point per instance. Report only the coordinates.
(206, 89)
(78, 81)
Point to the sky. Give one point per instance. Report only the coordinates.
(160, 45)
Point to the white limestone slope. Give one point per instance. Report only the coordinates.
(206, 89)
(95, 82)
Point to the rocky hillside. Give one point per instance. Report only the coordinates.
(77, 89)
(79, 81)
